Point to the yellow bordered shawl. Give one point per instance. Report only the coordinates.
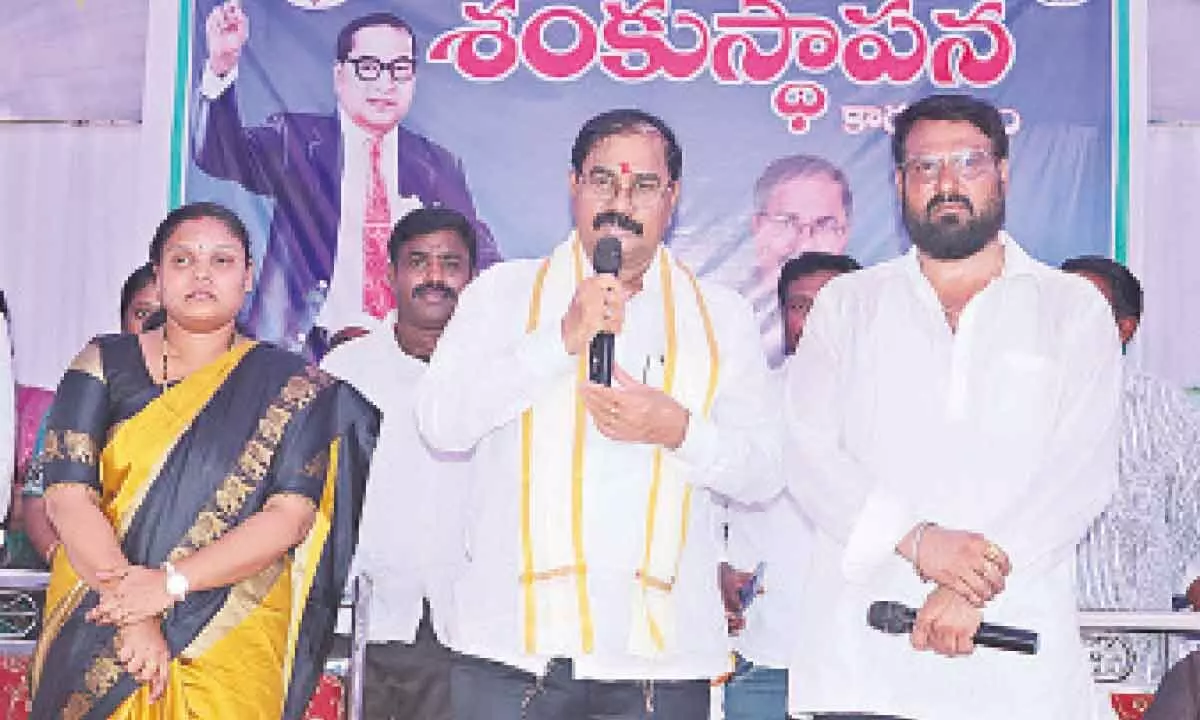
(556, 606)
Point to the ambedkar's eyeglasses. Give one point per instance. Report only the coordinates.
(368, 68)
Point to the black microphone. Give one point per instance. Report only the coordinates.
(606, 260)
(896, 619)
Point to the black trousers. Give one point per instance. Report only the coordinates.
(485, 690)
(407, 682)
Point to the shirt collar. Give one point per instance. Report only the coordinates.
(1016, 261)
(352, 134)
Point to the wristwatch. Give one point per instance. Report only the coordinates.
(177, 582)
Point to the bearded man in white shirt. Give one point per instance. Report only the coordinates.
(589, 593)
(952, 432)
(410, 541)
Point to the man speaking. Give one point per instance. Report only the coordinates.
(589, 586)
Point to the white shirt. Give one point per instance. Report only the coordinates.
(487, 370)
(1007, 427)
(778, 534)
(8, 420)
(343, 301)
(411, 536)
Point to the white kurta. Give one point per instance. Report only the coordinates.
(779, 535)
(486, 370)
(1007, 427)
(411, 537)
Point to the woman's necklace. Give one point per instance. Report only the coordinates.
(232, 339)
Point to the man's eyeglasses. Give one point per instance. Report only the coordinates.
(823, 227)
(644, 190)
(965, 164)
(368, 68)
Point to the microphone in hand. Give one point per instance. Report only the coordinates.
(895, 618)
(606, 260)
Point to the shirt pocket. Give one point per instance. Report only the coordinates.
(1021, 400)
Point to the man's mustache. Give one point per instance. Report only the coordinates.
(619, 219)
(946, 199)
(442, 288)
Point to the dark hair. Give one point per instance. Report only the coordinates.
(3, 305)
(783, 169)
(137, 280)
(955, 108)
(197, 211)
(625, 121)
(345, 38)
(427, 220)
(813, 262)
(1123, 285)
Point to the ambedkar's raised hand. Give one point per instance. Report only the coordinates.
(226, 31)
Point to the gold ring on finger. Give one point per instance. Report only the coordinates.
(992, 552)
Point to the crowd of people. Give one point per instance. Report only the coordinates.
(953, 430)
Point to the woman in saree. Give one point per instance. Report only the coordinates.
(206, 491)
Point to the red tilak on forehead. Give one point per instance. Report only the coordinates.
(625, 168)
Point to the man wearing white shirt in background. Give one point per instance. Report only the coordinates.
(589, 591)
(951, 415)
(411, 537)
(1144, 549)
(774, 536)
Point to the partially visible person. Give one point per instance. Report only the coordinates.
(411, 540)
(8, 411)
(36, 540)
(589, 587)
(206, 488)
(1138, 553)
(952, 426)
(802, 204)
(339, 181)
(1178, 696)
(768, 543)
(799, 282)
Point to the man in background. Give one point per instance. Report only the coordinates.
(1143, 550)
(768, 543)
(802, 203)
(410, 542)
(339, 181)
(799, 282)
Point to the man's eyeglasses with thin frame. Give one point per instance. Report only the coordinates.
(644, 190)
(824, 226)
(967, 164)
(369, 68)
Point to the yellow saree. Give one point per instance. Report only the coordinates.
(174, 470)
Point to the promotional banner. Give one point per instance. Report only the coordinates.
(784, 111)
